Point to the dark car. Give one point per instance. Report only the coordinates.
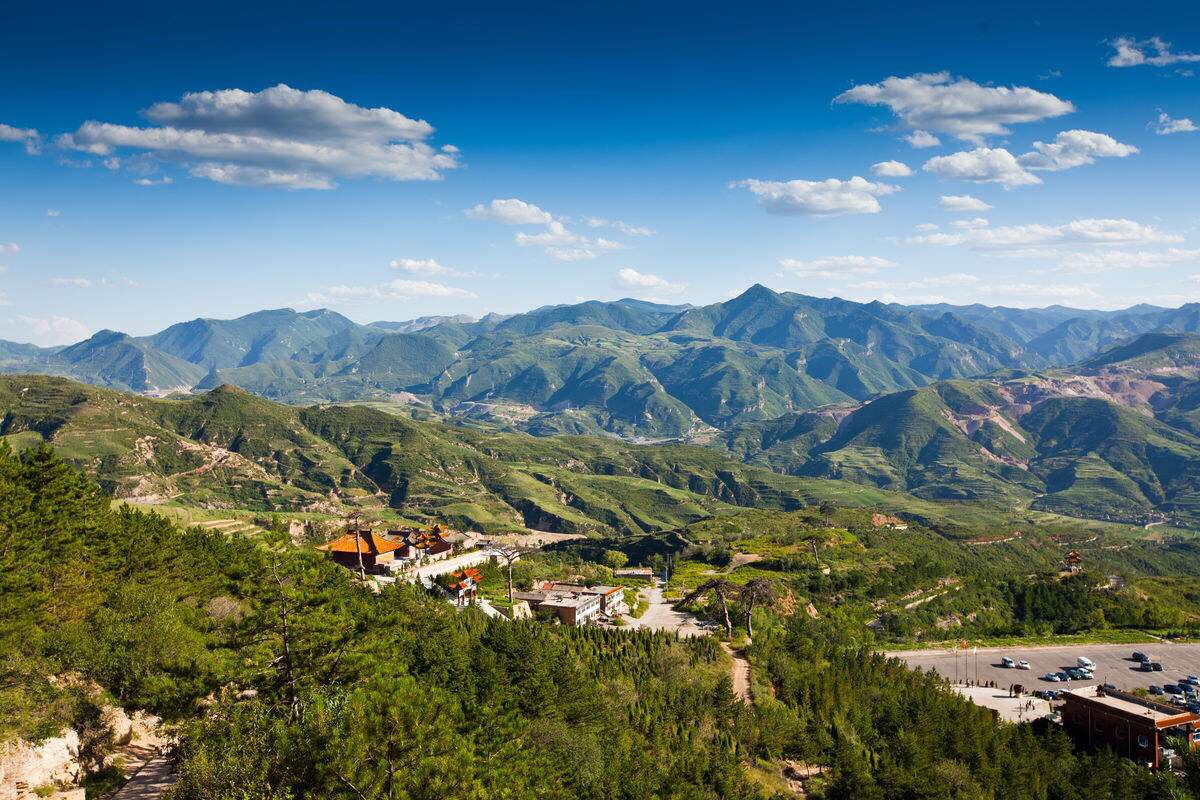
(1140, 657)
(1171, 688)
(1155, 690)
(1155, 666)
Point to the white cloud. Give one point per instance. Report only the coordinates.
(921, 139)
(420, 266)
(1028, 294)
(395, 290)
(51, 331)
(970, 224)
(963, 202)
(278, 137)
(562, 244)
(982, 165)
(26, 136)
(1130, 52)
(891, 169)
(77, 283)
(1167, 126)
(1021, 237)
(616, 224)
(1072, 149)
(925, 227)
(836, 266)
(51, 212)
(9, 248)
(163, 181)
(1112, 260)
(238, 175)
(647, 284)
(959, 107)
(510, 212)
(827, 198)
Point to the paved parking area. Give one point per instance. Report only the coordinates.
(1113, 664)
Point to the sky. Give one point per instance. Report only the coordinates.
(391, 161)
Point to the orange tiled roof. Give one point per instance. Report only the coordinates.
(365, 542)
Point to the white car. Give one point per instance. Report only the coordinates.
(1051, 676)
(1083, 662)
(1023, 664)
(1007, 662)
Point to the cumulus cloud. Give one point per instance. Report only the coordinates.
(618, 225)
(925, 227)
(510, 212)
(1113, 260)
(1072, 149)
(163, 181)
(563, 244)
(836, 266)
(647, 284)
(982, 165)
(422, 266)
(52, 331)
(9, 248)
(278, 137)
(957, 106)
(891, 169)
(1023, 237)
(1167, 126)
(1130, 52)
(970, 224)
(962, 202)
(827, 198)
(26, 136)
(922, 139)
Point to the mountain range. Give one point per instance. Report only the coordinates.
(1086, 413)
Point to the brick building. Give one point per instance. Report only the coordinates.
(1132, 726)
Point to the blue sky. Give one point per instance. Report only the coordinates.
(158, 165)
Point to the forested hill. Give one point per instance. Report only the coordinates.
(627, 367)
(284, 679)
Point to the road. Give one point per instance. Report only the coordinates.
(1113, 664)
(662, 616)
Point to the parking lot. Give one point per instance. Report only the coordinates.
(1114, 664)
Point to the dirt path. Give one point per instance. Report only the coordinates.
(150, 782)
(739, 672)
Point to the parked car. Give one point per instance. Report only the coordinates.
(1193, 680)
(1172, 688)
(1052, 677)
(1053, 694)
(1140, 657)
(1062, 676)
(1007, 662)
(1194, 707)
(1085, 662)
(1023, 664)
(1146, 666)
(1156, 690)
(1156, 666)
(1086, 675)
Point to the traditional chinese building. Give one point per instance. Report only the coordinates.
(364, 547)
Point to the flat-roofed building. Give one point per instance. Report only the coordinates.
(1132, 726)
(612, 598)
(572, 608)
